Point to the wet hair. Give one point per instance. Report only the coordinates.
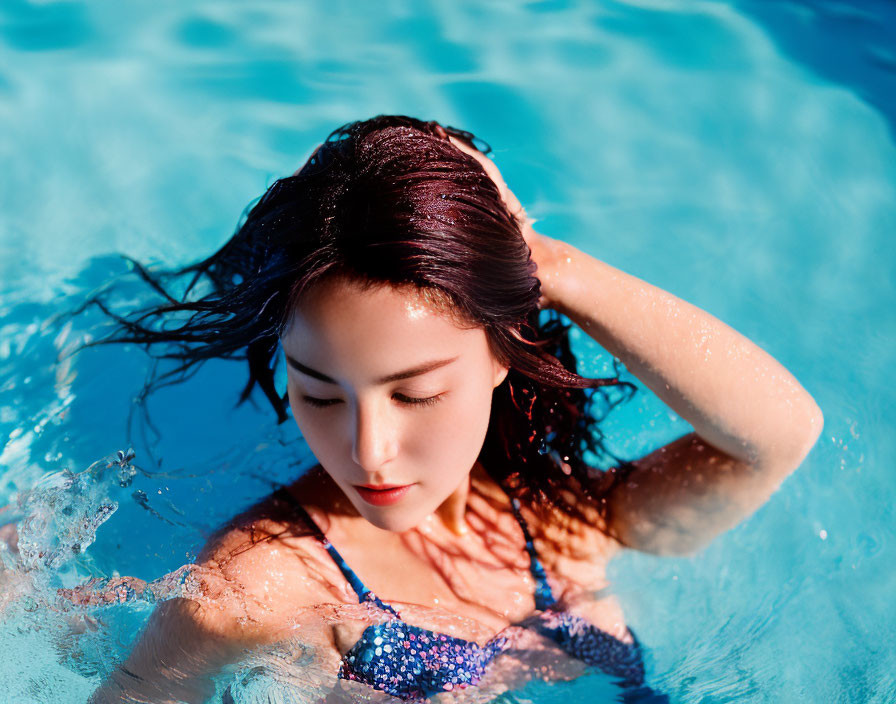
(390, 200)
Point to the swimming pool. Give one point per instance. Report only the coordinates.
(740, 155)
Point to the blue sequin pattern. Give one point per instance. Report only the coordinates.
(410, 662)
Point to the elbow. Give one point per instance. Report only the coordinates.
(800, 443)
(813, 427)
(816, 424)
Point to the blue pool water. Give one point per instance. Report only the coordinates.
(740, 155)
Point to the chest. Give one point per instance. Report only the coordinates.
(471, 588)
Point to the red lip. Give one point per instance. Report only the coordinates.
(382, 494)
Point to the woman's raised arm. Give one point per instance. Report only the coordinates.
(753, 422)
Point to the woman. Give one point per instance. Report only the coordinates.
(403, 282)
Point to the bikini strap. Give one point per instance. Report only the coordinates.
(544, 596)
(364, 594)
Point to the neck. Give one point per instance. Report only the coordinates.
(453, 511)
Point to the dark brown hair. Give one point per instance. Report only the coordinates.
(391, 200)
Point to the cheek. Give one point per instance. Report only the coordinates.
(313, 427)
(456, 432)
(298, 410)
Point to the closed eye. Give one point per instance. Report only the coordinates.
(319, 402)
(407, 400)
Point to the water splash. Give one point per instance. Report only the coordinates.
(65, 509)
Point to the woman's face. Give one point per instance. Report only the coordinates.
(388, 391)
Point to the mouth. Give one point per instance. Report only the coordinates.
(382, 494)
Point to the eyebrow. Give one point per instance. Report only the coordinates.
(397, 376)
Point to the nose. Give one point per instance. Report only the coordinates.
(374, 440)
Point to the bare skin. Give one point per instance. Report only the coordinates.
(453, 546)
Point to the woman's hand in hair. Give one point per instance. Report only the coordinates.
(547, 253)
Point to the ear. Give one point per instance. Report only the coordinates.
(500, 374)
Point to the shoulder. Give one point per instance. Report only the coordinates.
(571, 524)
(255, 583)
(263, 572)
(566, 523)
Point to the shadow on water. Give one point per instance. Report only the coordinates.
(65, 408)
(850, 44)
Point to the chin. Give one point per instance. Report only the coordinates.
(395, 522)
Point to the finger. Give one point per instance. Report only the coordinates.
(491, 169)
(487, 164)
(513, 204)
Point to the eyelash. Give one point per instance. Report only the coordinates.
(325, 402)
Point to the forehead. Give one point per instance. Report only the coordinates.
(340, 316)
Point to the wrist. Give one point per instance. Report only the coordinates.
(554, 261)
